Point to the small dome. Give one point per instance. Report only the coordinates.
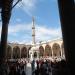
(35, 48)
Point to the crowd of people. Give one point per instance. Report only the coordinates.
(16, 68)
(48, 67)
(38, 67)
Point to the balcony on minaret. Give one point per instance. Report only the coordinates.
(33, 34)
(33, 27)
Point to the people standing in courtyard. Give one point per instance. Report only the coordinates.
(33, 66)
(23, 72)
(37, 70)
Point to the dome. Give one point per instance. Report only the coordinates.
(35, 48)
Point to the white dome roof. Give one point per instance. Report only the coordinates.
(35, 48)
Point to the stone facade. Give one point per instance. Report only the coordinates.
(52, 48)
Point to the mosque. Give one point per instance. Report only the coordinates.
(53, 48)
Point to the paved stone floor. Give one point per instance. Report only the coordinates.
(28, 69)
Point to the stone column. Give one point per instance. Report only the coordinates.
(52, 53)
(61, 52)
(5, 15)
(67, 18)
(12, 54)
(20, 53)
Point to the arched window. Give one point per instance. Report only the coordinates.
(16, 52)
(41, 51)
(56, 49)
(9, 52)
(48, 51)
(24, 52)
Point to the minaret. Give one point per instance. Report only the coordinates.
(33, 31)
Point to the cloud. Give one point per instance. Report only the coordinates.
(24, 31)
(22, 42)
(18, 28)
(18, 20)
(28, 6)
(44, 33)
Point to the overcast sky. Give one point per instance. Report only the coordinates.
(47, 22)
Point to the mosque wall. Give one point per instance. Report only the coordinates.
(50, 49)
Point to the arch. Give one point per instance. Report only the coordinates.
(29, 48)
(41, 51)
(48, 51)
(24, 52)
(56, 49)
(16, 52)
(35, 54)
(8, 52)
(28, 51)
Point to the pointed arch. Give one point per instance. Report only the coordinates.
(28, 50)
(16, 52)
(9, 52)
(24, 52)
(41, 51)
(56, 49)
(48, 51)
(35, 54)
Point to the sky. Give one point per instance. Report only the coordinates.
(47, 22)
